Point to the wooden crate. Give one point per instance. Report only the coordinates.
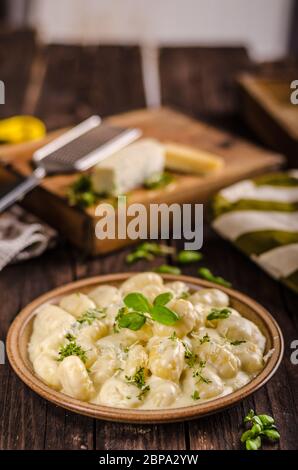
(267, 108)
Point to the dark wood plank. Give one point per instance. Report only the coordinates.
(201, 80)
(278, 396)
(17, 49)
(21, 409)
(117, 435)
(80, 81)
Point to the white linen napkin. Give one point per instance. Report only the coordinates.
(23, 236)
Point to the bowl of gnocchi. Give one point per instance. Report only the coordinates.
(141, 347)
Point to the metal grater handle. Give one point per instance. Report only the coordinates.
(21, 189)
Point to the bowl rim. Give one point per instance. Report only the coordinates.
(108, 413)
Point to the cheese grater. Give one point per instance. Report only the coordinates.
(78, 149)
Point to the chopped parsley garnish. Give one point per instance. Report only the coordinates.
(139, 380)
(90, 315)
(185, 295)
(198, 373)
(190, 357)
(72, 349)
(70, 337)
(195, 395)
(143, 392)
(173, 336)
(237, 342)
(205, 339)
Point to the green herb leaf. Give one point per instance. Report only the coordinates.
(237, 342)
(266, 420)
(219, 314)
(158, 180)
(272, 434)
(137, 255)
(173, 336)
(188, 256)
(246, 435)
(90, 315)
(166, 269)
(256, 420)
(143, 392)
(132, 320)
(205, 273)
(185, 295)
(253, 444)
(156, 249)
(137, 301)
(205, 339)
(70, 337)
(72, 349)
(249, 416)
(164, 315)
(190, 357)
(195, 395)
(138, 379)
(163, 299)
(198, 373)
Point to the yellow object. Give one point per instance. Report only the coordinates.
(189, 160)
(19, 129)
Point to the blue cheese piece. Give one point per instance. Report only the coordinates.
(129, 167)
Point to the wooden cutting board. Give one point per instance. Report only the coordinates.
(48, 201)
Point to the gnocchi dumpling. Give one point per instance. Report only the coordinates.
(116, 392)
(46, 367)
(77, 304)
(225, 362)
(105, 295)
(162, 394)
(106, 364)
(74, 378)
(250, 356)
(166, 358)
(184, 325)
(139, 281)
(241, 329)
(137, 358)
(206, 385)
(212, 297)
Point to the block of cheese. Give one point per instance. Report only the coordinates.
(190, 160)
(129, 167)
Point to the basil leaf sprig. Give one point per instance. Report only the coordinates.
(137, 309)
(219, 314)
(205, 273)
(262, 426)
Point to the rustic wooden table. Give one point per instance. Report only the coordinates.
(29, 422)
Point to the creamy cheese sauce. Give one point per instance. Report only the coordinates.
(78, 348)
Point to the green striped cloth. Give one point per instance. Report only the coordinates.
(260, 217)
